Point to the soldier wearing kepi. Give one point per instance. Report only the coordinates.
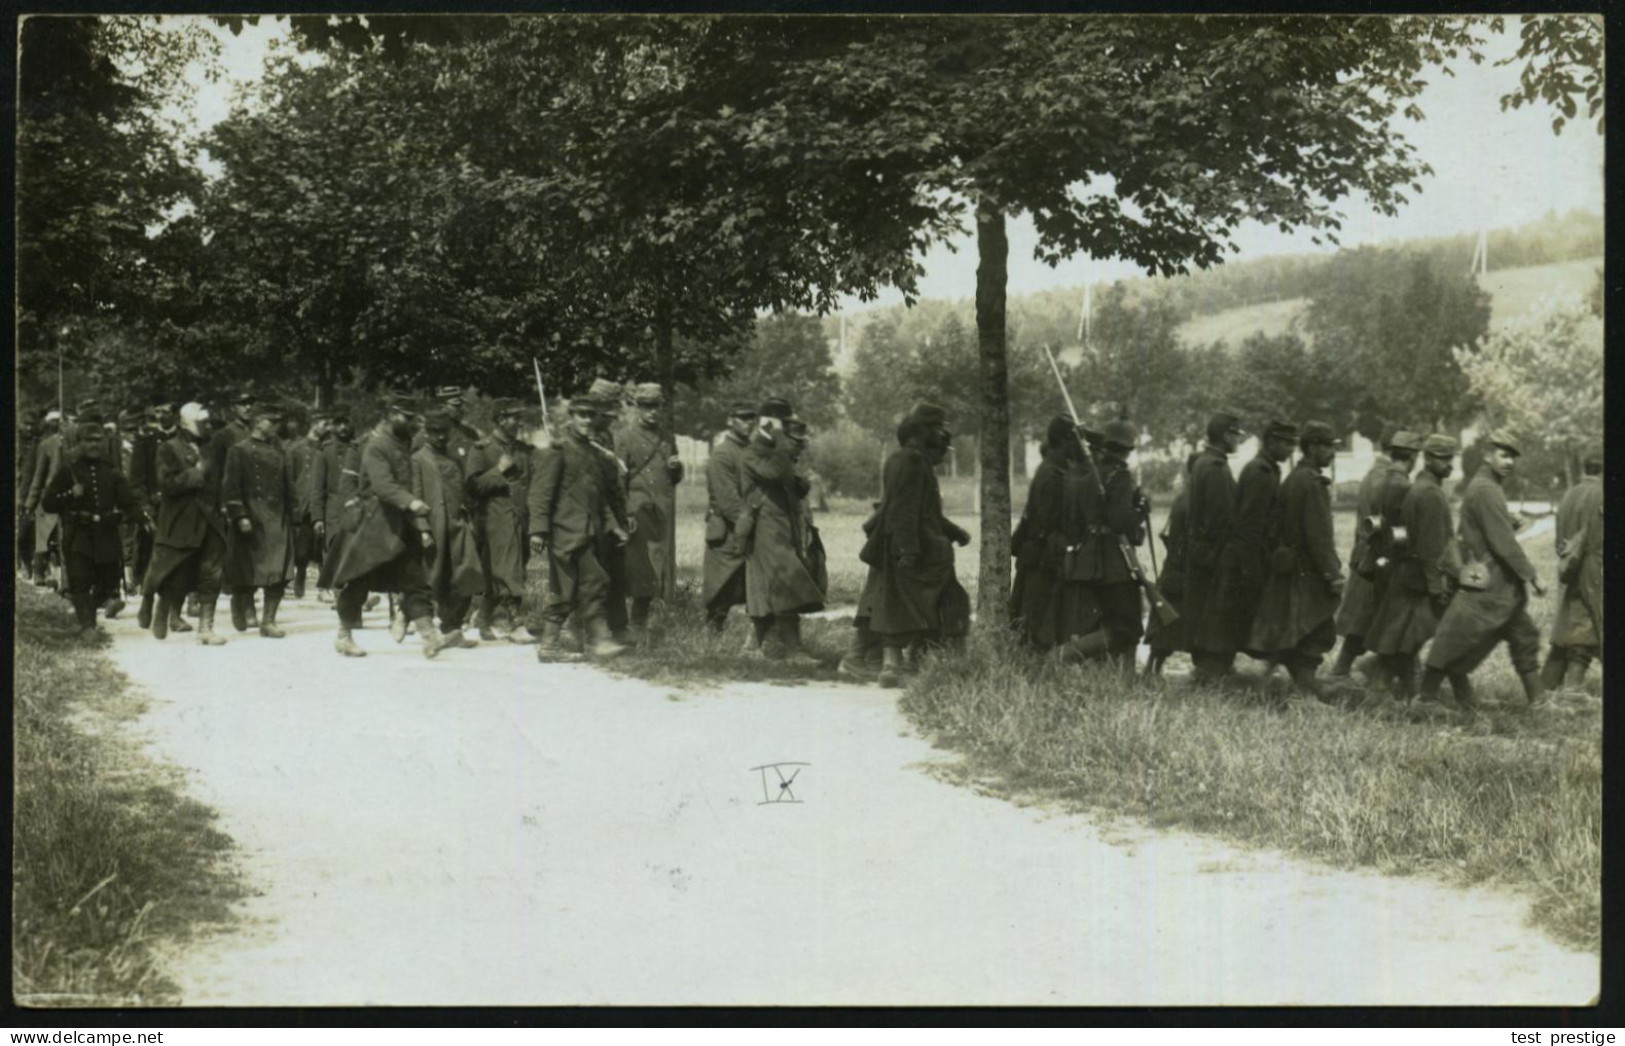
(570, 515)
(327, 483)
(381, 549)
(779, 585)
(92, 498)
(499, 472)
(461, 436)
(917, 600)
(1212, 521)
(724, 566)
(1123, 512)
(48, 455)
(189, 540)
(1418, 587)
(1039, 544)
(438, 481)
(1293, 625)
(1492, 605)
(257, 490)
(1577, 625)
(236, 429)
(302, 454)
(1381, 498)
(653, 471)
(157, 426)
(612, 555)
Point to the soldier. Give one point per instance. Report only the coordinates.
(1212, 521)
(1577, 625)
(438, 481)
(1293, 624)
(1039, 543)
(1492, 604)
(610, 398)
(189, 540)
(302, 452)
(724, 566)
(653, 471)
(499, 470)
(47, 461)
(779, 585)
(257, 490)
(1418, 586)
(28, 436)
(865, 657)
(383, 540)
(235, 428)
(1122, 525)
(1378, 505)
(142, 471)
(92, 498)
(569, 514)
(461, 436)
(327, 484)
(1166, 640)
(918, 601)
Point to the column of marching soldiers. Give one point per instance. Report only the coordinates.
(245, 498)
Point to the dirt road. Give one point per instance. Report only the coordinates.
(481, 830)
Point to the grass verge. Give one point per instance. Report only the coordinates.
(110, 860)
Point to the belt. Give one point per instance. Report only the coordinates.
(92, 517)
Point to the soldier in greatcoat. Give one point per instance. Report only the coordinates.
(1293, 625)
(1577, 624)
(47, 461)
(1039, 544)
(142, 471)
(1212, 520)
(724, 564)
(327, 486)
(653, 471)
(1165, 640)
(570, 515)
(384, 535)
(1419, 583)
(462, 436)
(1381, 495)
(239, 588)
(438, 481)
(610, 397)
(779, 585)
(917, 600)
(92, 498)
(257, 491)
(1120, 527)
(1492, 603)
(303, 450)
(28, 435)
(499, 473)
(189, 538)
(811, 543)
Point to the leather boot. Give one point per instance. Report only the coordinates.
(1461, 687)
(1304, 681)
(640, 616)
(1346, 654)
(249, 614)
(191, 604)
(205, 626)
(551, 647)
(433, 641)
(1551, 673)
(1079, 648)
(856, 664)
(113, 607)
(268, 626)
(1534, 688)
(143, 616)
(239, 617)
(397, 623)
(177, 620)
(299, 583)
(1578, 666)
(84, 613)
(788, 629)
(1428, 692)
(893, 675)
(160, 621)
(603, 644)
(345, 644)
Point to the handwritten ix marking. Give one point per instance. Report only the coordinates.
(783, 794)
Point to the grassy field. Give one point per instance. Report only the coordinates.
(110, 859)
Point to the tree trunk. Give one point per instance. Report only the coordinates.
(993, 448)
(1018, 456)
(666, 365)
(324, 384)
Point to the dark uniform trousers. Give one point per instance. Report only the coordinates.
(85, 571)
(577, 582)
(1521, 636)
(403, 575)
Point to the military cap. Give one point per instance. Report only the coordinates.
(437, 420)
(1121, 433)
(1592, 456)
(796, 429)
(1281, 430)
(928, 414)
(1440, 446)
(130, 417)
(505, 407)
(1090, 432)
(89, 429)
(1059, 431)
(1404, 439)
(400, 401)
(1504, 441)
(1225, 421)
(89, 410)
(1319, 432)
(648, 392)
(776, 407)
(742, 409)
(266, 409)
(584, 405)
(609, 394)
(244, 398)
(447, 393)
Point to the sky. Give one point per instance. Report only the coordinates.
(1493, 169)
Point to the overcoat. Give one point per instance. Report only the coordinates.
(1212, 516)
(1359, 594)
(1040, 554)
(1238, 577)
(651, 501)
(1174, 580)
(437, 481)
(1417, 585)
(47, 461)
(327, 487)
(1578, 619)
(258, 486)
(1300, 598)
(571, 505)
(91, 520)
(926, 596)
(724, 485)
(1486, 536)
(496, 501)
(778, 579)
(378, 526)
(189, 511)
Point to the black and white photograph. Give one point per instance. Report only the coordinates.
(568, 509)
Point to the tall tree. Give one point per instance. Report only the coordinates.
(1563, 64)
(788, 356)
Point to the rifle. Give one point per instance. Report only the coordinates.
(546, 439)
(1165, 613)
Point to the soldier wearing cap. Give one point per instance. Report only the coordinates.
(159, 426)
(327, 485)
(610, 397)
(1577, 624)
(189, 537)
(571, 518)
(653, 471)
(384, 537)
(1492, 605)
(724, 564)
(1121, 524)
(438, 480)
(257, 491)
(1419, 584)
(499, 473)
(1293, 623)
(779, 584)
(1229, 541)
(48, 455)
(461, 436)
(92, 498)
(1039, 544)
(28, 436)
(234, 430)
(1377, 533)
(914, 599)
(303, 450)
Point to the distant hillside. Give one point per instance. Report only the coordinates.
(1512, 292)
